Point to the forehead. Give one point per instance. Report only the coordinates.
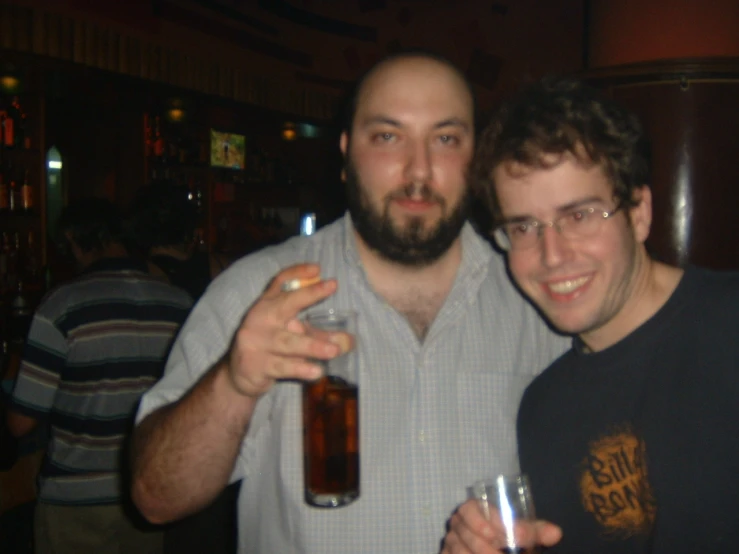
(417, 88)
(563, 180)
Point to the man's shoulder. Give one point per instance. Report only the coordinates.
(709, 294)
(112, 286)
(268, 261)
(713, 283)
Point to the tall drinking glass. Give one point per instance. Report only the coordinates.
(331, 419)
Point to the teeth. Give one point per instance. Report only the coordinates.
(563, 287)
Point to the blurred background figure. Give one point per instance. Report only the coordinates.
(162, 227)
(162, 223)
(95, 345)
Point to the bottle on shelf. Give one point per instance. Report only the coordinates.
(19, 127)
(4, 272)
(14, 203)
(4, 123)
(148, 137)
(195, 195)
(20, 313)
(158, 139)
(9, 120)
(26, 195)
(25, 131)
(4, 194)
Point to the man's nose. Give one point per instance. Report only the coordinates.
(554, 247)
(419, 163)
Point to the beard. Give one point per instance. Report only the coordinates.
(412, 245)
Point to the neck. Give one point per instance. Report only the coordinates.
(651, 285)
(178, 252)
(111, 250)
(418, 293)
(382, 270)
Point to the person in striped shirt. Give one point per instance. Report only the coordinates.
(95, 345)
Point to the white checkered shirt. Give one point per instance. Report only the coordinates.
(434, 415)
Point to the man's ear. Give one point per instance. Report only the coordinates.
(344, 147)
(70, 239)
(641, 214)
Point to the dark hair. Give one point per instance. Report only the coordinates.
(161, 215)
(93, 224)
(560, 115)
(350, 104)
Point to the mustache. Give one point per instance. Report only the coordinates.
(417, 191)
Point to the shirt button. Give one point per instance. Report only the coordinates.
(421, 436)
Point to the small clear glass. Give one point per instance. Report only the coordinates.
(506, 501)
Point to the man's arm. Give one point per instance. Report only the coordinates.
(184, 453)
(20, 424)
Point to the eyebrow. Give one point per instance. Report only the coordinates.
(560, 210)
(386, 120)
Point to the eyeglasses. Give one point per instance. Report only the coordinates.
(575, 224)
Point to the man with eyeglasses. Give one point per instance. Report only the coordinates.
(629, 439)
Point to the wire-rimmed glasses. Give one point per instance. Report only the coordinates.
(578, 223)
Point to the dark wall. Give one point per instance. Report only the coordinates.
(692, 122)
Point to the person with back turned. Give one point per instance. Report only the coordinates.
(94, 346)
(162, 223)
(445, 344)
(629, 439)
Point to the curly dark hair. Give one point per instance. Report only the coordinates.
(560, 115)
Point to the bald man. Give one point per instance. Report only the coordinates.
(445, 349)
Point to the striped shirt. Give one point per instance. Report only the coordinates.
(94, 346)
(434, 416)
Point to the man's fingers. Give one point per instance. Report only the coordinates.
(472, 516)
(297, 273)
(470, 531)
(293, 302)
(283, 367)
(287, 343)
(548, 534)
(345, 341)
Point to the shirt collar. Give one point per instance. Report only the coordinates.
(116, 264)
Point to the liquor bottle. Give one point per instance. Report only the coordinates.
(14, 203)
(11, 124)
(26, 195)
(20, 313)
(158, 139)
(20, 123)
(198, 197)
(25, 131)
(4, 274)
(4, 194)
(148, 137)
(3, 124)
(8, 130)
